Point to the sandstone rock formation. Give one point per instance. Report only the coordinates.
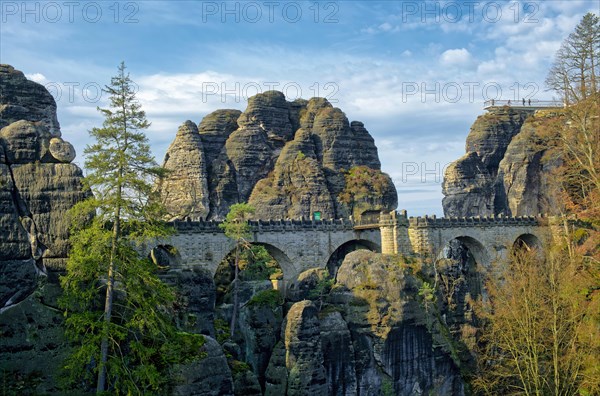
(260, 325)
(371, 336)
(502, 171)
(210, 376)
(285, 158)
(27, 100)
(185, 191)
(393, 348)
(304, 357)
(38, 185)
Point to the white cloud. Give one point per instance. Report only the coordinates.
(456, 57)
(37, 77)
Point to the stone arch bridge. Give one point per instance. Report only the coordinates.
(299, 245)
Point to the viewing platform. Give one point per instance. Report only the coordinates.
(528, 105)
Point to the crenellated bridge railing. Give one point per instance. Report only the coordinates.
(290, 225)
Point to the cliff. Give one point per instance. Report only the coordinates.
(507, 166)
(287, 159)
(38, 184)
(369, 332)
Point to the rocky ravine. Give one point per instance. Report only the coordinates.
(506, 169)
(369, 335)
(287, 159)
(38, 184)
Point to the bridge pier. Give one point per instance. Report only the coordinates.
(394, 228)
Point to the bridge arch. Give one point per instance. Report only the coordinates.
(337, 257)
(475, 247)
(287, 265)
(528, 241)
(165, 256)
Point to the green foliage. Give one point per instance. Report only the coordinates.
(237, 228)
(328, 309)
(222, 330)
(257, 264)
(13, 382)
(236, 224)
(239, 367)
(266, 298)
(363, 185)
(427, 293)
(322, 288)
(126, 338)
(143, 341)
(387, 387)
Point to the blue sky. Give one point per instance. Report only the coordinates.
(416, 73)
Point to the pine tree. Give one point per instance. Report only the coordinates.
(128, 340)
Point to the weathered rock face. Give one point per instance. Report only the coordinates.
(208, 376)
(526, 171)
(196, 299)
(32, 345)
(48, 192)
(338, 355)
(393, 349)
(307, 281)
(38, 185)
(185, 191)
(304, 358)
(285, 158)
(260, 326)
(502, 171)
(23, 99)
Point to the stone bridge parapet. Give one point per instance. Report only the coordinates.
(475, 221)
(269, 225)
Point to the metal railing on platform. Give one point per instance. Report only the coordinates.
(529, 103)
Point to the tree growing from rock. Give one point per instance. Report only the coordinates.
(237, 228)
(574, 73)
(126, 338)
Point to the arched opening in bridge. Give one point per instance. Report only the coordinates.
(337, 257)
(261, 267)
(165, 257)
(459, 267)
(528, 242)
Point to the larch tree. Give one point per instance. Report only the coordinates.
(126, 339)
(574, 73)
(537, 321)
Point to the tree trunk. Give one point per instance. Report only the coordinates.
(235, 288)
(108, 307)
(108, 302)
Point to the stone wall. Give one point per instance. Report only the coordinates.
(298, 245)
